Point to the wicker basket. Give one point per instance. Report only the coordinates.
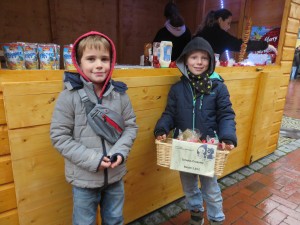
(164, 152)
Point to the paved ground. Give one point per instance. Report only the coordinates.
(265, 192)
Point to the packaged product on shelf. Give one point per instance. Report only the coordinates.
(165, 53)
(14, 56)
(57, 56)
(156, 50)
(47, 56)
(147, 54)
(31, 56)
(68, 64)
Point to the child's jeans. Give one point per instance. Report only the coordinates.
(210, 192)
(110, 198)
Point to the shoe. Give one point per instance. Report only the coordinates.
(196, 218)
(215, 222)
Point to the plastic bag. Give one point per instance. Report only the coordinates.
(189, 135)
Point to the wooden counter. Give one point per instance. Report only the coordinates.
(38, 170)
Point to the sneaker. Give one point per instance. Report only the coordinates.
(215, 222)
(196, 218)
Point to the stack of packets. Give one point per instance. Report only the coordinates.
(49, 56)
(68, 64)
(34, 56)
(191, 155)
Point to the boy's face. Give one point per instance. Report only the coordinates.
(198, 62)
(95, 64)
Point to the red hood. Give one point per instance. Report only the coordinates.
(113, 60)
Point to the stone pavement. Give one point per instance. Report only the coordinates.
(176, 213)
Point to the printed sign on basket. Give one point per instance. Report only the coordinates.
(193, 157)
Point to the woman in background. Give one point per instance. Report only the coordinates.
(214, 30)
(174, 30)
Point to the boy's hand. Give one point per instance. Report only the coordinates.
(225, 146)
(161, 137)
(105, 163)
(117, 162)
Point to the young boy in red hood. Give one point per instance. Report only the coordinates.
(93, 165)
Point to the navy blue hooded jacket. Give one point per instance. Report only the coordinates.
(208, 113)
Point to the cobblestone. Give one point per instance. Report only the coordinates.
(272, 157)
(265, 161)
(181, 203)
(227, 181)
(279, 153)
(154, 218)
(135, 223)
(286, 148)
(171, 210)
(246, 171)
(237, 176)
(293, 145)
(256, 166)
(222, 186)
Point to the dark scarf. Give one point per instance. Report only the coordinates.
(201, 83)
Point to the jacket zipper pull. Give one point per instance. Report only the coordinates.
(201, 101)
(194, 104)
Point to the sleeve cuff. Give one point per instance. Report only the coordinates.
(159, 132)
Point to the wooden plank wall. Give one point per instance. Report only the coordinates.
(8, 203)
(267, 116)
(129, 23)
(275, 106)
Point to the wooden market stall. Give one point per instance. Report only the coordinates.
(32, 184)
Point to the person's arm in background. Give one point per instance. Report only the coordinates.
(226, 41)
(260, 46)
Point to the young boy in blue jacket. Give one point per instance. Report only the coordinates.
(200, 100)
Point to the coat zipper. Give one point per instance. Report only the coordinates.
(201, 101)
(194, 104)
(112, 123)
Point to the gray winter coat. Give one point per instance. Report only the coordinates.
(82, 149)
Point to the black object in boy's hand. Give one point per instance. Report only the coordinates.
(113, 158)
